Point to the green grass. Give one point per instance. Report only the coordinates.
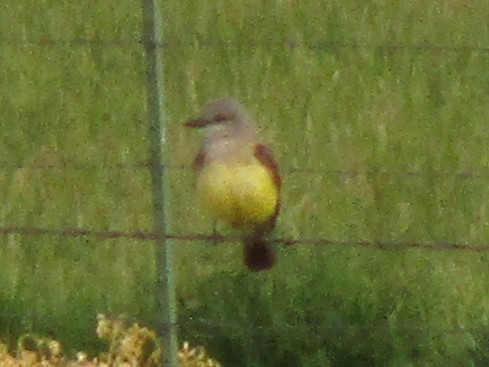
(381, 112)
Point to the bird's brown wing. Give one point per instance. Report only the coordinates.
(264, 155)
(198, 161)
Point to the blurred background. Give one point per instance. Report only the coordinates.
(378, 113)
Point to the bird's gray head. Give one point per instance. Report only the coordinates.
(221, 112)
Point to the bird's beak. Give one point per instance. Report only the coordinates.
(197, 123)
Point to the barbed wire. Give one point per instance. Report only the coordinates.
(224, 325)
(203, 326)
(208, 43)
(480, 174)
(214, 239)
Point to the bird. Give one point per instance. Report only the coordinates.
(238, 179)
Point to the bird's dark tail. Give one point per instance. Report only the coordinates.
(258, 254)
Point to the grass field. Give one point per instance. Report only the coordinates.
(382, 112)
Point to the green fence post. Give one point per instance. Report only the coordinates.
(152, 40)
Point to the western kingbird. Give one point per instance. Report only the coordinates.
(238, 178)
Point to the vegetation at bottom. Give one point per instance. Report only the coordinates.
(378, 114)
(128, 345)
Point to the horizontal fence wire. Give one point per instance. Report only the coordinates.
(207, 327)
(201, 326)
(468, 175)
(214, 239)
(288, 43)
(279, 327)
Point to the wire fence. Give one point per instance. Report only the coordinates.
(216, 325)
(212, 43)
(192, 237)
(482, 173)
(214, 239)
(212, 326)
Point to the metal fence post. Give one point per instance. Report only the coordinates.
(166, 301)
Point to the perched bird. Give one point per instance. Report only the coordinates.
(238, 178)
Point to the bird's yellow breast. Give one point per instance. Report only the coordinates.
(242, 195)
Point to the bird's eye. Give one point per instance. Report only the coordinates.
(220, 117)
